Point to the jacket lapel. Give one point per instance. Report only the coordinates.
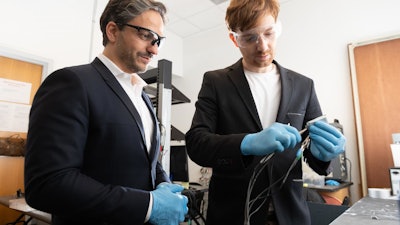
(112, 82)
(155, 141)
(287, 91)
(240, 82)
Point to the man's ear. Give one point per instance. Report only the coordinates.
(232, 37)
(112, 31)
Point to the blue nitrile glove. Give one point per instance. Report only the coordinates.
(277, 137)
(332, 183)
(174, 188)
(326, 141)
(169, 206)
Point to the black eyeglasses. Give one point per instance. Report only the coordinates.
(147, 35)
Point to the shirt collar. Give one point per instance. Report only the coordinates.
(117, 72)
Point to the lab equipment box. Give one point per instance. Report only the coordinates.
(395, 180)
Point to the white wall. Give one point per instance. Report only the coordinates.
(66, 32)
(56, 30)
(314, 42)
(171, 50)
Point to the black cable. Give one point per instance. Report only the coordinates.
(193, 210)
(267, 191)
(349, 170)
(249, 203)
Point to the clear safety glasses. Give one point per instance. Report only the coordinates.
(147, 35)
(252, 37)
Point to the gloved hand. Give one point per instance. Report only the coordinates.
(174, 188)
(169, 206)
(332, 183)
(277, 137)
(326, 141)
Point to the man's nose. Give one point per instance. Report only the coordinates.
(262, 43)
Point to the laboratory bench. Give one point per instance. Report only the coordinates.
(27, 213)
(335, 195)
(371, 211)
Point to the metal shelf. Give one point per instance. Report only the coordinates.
(177, 96)
(163, 95)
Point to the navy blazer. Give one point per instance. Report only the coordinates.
(86, 158)
(225, 113)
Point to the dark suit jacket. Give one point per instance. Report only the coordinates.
(225, 113)
(86, 160)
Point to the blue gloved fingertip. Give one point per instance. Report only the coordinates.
(299, 153)
(332, 183)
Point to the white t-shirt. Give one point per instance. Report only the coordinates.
(266, 91)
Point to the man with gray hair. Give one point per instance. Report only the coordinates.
(93, 140)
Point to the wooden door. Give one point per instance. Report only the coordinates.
(12, 168)
(11, 179)
(376, 89)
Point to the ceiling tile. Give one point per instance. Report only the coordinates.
(189, 17)
(208, 19)
(186, 8)
(172, 17)
(183, 28)
(223, 6)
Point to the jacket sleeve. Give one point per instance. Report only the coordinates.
(55, 156)
(207, 143)
(314, 111)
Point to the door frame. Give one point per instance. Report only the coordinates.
(47, 64)
(356, 102)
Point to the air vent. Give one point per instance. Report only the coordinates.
(217, 2)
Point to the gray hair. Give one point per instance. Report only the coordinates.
(122, 11)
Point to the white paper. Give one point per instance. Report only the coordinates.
(396, 154)
(14, 117)
(15, 91)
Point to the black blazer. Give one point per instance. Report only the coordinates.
(225, 113)
(86, 160)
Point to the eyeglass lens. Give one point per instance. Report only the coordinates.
(249, 38)
(148, 35)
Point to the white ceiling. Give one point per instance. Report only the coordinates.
(189, 17)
